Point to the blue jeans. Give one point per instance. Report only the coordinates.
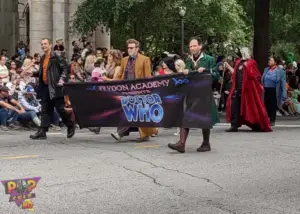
(27, 116)
(7, 115)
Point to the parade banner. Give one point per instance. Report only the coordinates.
(164, 101)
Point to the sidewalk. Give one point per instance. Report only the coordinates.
(279, 118)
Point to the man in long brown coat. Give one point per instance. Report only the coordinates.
(135, 66)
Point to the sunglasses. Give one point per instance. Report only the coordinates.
(131, 48)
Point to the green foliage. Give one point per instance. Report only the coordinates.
(157, 24)
(284, 24)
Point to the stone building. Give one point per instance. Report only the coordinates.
(31, 20)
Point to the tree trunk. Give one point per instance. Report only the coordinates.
(261, 33)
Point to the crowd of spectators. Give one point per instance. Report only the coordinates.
(18, 82)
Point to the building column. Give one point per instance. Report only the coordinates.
(102, 37)
(60, 20)
(22, 6)
(9, 32)
(40, 23)
(72, 8)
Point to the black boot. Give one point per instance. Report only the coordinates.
(180, 146)
(40, 135)
(205, 147)
(71, 131)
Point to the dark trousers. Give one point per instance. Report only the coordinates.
(236, 108)
(271, 103)
(125, 131)
(184, 133)
(48, 106)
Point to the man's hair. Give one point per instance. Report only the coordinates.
(98, 62)
(87, 44)
(133, 41)
(197, 39)
(36, 55)
(49, 40)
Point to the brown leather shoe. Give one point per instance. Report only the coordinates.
(204, 148)
(179, 147)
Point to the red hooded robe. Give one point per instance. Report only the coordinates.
(253, 111)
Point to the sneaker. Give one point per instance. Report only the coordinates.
(3, 128)
(13, 126)
(116, 136)
(56, 128)
(176, 134)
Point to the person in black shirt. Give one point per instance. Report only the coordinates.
(8, 111)
(52, 75)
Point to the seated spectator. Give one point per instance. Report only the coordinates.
(288, 105)
(12, 71)
(8, 112)
(16, 87)
(4, 73)
(294, 92)
(31, 106)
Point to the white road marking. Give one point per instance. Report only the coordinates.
(18, 157)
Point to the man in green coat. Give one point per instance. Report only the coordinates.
(198, 61)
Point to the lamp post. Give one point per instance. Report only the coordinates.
(182, 11)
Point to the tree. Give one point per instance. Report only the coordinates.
(156, 24)
(284, 24)
(261, 42)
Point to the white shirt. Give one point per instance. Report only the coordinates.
(4, 72)
(22, 87)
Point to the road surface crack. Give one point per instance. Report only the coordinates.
(154, 180)
(175, 170)
(220, 206)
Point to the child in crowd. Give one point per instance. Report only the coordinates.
(98, 71)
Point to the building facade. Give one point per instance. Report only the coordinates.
(31, 20)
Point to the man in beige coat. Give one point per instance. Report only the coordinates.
(135, 66)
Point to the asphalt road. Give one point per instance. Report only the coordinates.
(245, 172)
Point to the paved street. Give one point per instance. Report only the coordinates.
(244, 173)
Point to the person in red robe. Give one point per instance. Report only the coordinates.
(245, 105)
